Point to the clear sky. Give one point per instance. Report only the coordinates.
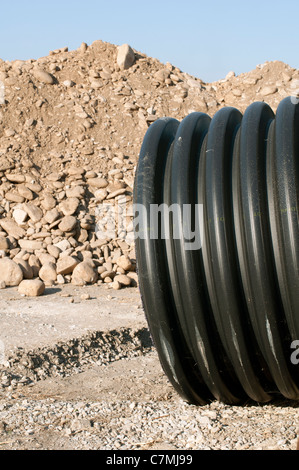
(204, 38)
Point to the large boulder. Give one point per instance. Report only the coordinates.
(10, 272)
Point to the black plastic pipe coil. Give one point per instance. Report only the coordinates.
(223, 316)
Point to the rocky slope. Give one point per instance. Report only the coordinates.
(71, 127)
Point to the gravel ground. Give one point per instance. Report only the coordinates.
(99, 408)
(129, 425)
(106, 390)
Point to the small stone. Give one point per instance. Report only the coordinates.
(49, 202)
(60, 279)
(42, 235)
(66, 265)
(4, 245)
(63, 245)
(32, 288)
(51, 216)
(98, 182)
(123, 280)
(69, 83)
(43, 76)
(161, 76)
(134, 279)
(34, 212)
(83, 236)
(5, 164)
(53, 251)
(46, 258)
(11, 227)
(105, 274)
(15, 178)
(116, 285)
(236, 92)
(75, 171)
(230, 75)
(25, 192)
(67, 224)
(34, 187)
(69, 206)
(125, 263)
(75, 192)
(20, 216)
(125, 57)
(30, 245)
(116, 193)
(83, 47)
(250, 81)
(48, 273)
(14, 197)
(84, 273)
(268, 90)
(86, 223)
(54, 177)
(10, 132)
(39, 103)
(101, 194)
(90, 174)
(85, 297)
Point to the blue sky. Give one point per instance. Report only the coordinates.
(204, 38)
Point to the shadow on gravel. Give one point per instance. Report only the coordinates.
(145, 338)
(279, 402)
(51, 291)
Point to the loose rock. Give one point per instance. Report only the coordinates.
(123, 280)
(43, 76)
(32, 288)
(68, 223)
(84, 273)
(10, 272)
(48, 273)
(4, 245)
(125, 57)
(66, 265)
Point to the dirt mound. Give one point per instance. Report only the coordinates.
(71, 128)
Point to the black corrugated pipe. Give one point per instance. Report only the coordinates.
(217, 248)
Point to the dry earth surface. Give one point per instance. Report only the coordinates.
(79, 370)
